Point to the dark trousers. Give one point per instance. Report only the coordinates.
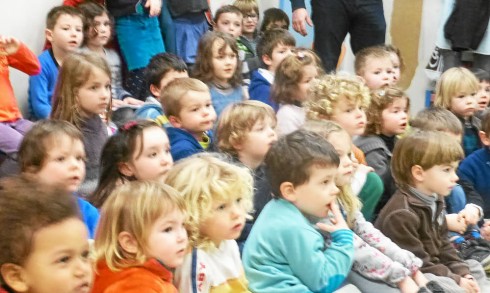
(333, 19)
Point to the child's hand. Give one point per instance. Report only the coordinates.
(471, 214)
(364, 169)
(8, 45)
(420, 279)
(456, 223)
(408, 285)
(155, 6)
(337, 220)
(133, 101)
(469, 284)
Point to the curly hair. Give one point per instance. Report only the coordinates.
(380, 100)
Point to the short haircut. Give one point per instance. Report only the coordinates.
(290, 159)
(203, 179)
(90, 10)
(481, 74)
(327, 90)
(57, 11)
(26, 207)
(176, 90)
(392, 49)
(485, 122)
(380, 100)
(365, 54)
(40, 138)
(437, 119)
(226, 9)
(271, 16)
(453, 82)
(271, 39)
(237, 120)
(247, 6)
(160, 65)
(132, 207)
(424, 148)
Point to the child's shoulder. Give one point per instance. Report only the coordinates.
(368, 143)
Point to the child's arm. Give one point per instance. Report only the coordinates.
(19, 56)
(456, 223)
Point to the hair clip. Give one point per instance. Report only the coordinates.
(381, 93)
(129, 125)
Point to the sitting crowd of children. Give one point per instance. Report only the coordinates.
(246, 169)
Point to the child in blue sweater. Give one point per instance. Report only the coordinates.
(285, 251)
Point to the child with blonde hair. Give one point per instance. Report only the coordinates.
(456, 91)
(375, 66)
(82, 95)
(217, 202)
(290, 88)
(140, 239)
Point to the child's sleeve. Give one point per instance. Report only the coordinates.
(39, 95)
(25, 61)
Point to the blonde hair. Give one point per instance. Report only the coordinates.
(237, 120)
(175, 91)
(247, 6)
(380, 100)
(426, 149)
(203, 179)
(327, 90)
(76, 70)
(348, 199)
(437, 119)
(132, 207)
(374, 52)
(452, 82)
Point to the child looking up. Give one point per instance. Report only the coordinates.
(46, 248)
(53, 152)
(140, 150)
(456, 91)
(290, 88)
(217, 202)
(64, 31)
(83, 94)
(375, 66)
(140, 239)
(218, 66)
(285, 251)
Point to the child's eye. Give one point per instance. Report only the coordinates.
(168, 230)
(154, 154)
(108, 86)
(461, 96)
(85, 254)
(63, 259)
(221, 207)
(239, 200)
(326, 181)
(60, 159)
(377, 72)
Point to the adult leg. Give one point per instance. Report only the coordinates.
(482, 61)
(167, 28)
(368, 25)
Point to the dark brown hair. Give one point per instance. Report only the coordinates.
(58, 11)
(90, 10)
(271, 39)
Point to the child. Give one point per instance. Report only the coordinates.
(272, 48)
(456, 91)
(246, 131)
(53, 152)
(218, 66)
(163, 68)
(82, 95)
(64, 31)
(274, 18)
(187, 104)
(424, 167)
(375, 66)
(140, 239)
(396, 60)
(285, 252)
(387, 117)
(217, 202)
(140, 150)
(46, 248)
(290, 88)
(12, 125)
(483, 95)
(250, 13)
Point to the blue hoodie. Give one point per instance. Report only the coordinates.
(90, 215)
(183, 144)
(260, 90)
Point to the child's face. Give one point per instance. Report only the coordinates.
(197, 113)
(168, 239)
(279, 53)
(378, 72)
(439, 179)
(100, 31)
(483, 95)
(94, 95)
(464, 104)
(250, 23)
(395, 117)
(155, 160)
(315, 196)
(230, 23)
(67, 33)
(258, 140)
(64, 164)
(226, 221)
(277, 24)
(342, 143)
(310, 72)
(396, 68)
(224, 63)
(59, 259)
(349, 115)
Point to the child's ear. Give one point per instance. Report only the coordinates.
(49, 35)
(175, 121)
(14, 277)
(484, 138)
(287, 191)
(125, 169)
(127, 242)
(417, 173)
(267, 60)
(155, 90)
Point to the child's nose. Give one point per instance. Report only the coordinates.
(82, 267)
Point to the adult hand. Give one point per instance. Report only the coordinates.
(155, 7)
(8, 45)
(470, 214)
(300, 18)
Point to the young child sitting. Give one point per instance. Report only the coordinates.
(217, 201)
(483, 95)
(285, 251)
(46, 248)
(247, 41)
(53, 152)
(374, 65)
(424, 167)
(274, 18)
(140, 239)
(273, 46)
(187, 104)
(64, 31)
(246, 131)
(396, 61)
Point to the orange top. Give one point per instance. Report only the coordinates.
(359, 155)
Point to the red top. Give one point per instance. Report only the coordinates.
(75, 3)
